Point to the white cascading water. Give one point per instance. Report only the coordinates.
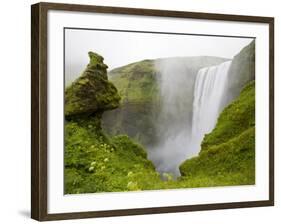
(175, 115)
(189, 110)
(209, 98)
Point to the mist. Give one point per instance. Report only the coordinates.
(190, 106)
(191, 73)
(172, 134)
(121, 48)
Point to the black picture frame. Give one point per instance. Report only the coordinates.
(39, 106)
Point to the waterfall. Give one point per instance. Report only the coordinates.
(190, 106)
(210, 93)
(174, 117)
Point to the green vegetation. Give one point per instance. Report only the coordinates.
(138, 86)
(136, 82)
(238, 116)
(92, 91)
(95, 162)
(227, 154)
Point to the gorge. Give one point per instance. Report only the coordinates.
(131, 129)
(178, 101)
(181, 131)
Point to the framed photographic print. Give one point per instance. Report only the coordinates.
(140, 111)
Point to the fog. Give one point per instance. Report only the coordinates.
(121, 48)
(190, 100)
(190, 107)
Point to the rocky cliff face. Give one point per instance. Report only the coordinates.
(138, 86)
(242, 70)
(91, 92)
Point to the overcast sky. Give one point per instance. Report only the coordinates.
(121, 48)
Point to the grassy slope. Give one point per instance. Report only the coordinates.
(137, 86)
(136, 82)
(139, 90)
(227, 156)
(96, 163)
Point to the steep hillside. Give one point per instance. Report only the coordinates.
(227, 155)
(94, 162)
(135, 82)
(138, 86)
(97, 162)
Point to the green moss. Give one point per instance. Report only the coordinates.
(225, 161)
(138, 86)
(96, 61)
(236, 117)
(136, 82)
(227, 154)
(95, 162)
(92, 91)
(123, 141)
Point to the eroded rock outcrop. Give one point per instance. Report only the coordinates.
(91, 92)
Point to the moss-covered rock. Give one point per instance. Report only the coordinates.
(95, 162)
(91, 92)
